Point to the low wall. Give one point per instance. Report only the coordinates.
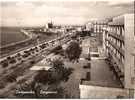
(89, 91)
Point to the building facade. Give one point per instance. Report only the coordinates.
(119, 45)
(96, 26)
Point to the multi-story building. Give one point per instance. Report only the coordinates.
(119, 45)
(96, 26)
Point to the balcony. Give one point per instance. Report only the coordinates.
(120, 50)
(116, 36)
(118, 67)
(118, 62)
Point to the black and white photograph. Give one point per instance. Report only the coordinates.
(67, 49)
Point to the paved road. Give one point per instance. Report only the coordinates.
(7, 91)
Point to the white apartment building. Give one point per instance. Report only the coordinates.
(119, 45)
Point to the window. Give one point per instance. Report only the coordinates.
(132, 80)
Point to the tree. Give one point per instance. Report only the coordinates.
(42, 77)
(46, 81)
(58, 64)
(73, 50)
(59, 71)
(56, 74)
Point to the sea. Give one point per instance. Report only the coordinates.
(10, 35)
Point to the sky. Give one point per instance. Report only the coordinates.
(74, 12)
